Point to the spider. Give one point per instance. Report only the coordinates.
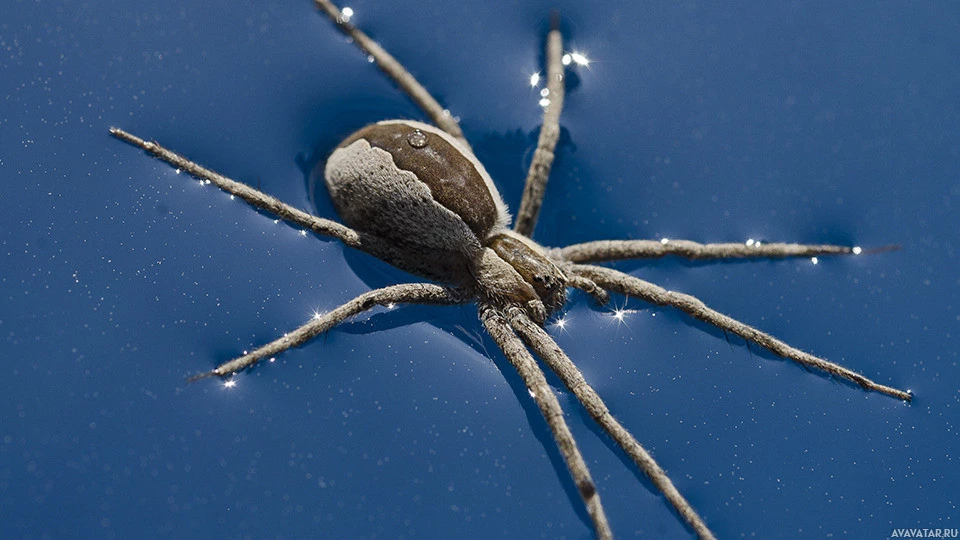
(414, 195)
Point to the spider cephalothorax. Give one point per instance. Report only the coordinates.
(415, 195)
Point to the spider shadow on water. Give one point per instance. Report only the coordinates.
(461, 322)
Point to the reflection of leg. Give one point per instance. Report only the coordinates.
(389, 65)
(542, 394)
(631, 286)
(410, 293)
(615, 250)
(560, 363)
(549, 134)
(259, 199)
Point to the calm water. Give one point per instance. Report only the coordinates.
(795, 122)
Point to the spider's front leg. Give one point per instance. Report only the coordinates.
(518, 355)
(631, 286)
(408, 293)
(618, 250)
(573, 379)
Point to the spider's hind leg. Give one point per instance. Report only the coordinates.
(408, 293)
(549, 134)
(393, 69)
(255, 197)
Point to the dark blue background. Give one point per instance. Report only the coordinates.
(811, 122)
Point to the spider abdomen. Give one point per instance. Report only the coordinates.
(416, 187)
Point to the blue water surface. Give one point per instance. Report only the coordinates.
(831, 122)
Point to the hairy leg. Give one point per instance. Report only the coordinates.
(549, 134)
(560, 363)
(628, 285)
(543, 395)
(408, 293)
(257, 198)
(599, 295)
(615, 250)
(389, 65)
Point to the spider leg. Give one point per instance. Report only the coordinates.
(542, 394)
(393, 69)
(572, 378)
(600, 296)
(615, 250)
(408, 293)
(257, 198)
(549, 134)
(631, 286)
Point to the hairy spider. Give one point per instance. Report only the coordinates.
(415, 196)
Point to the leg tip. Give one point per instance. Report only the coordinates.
(201, 376)
(882, 249)
(124, 136)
